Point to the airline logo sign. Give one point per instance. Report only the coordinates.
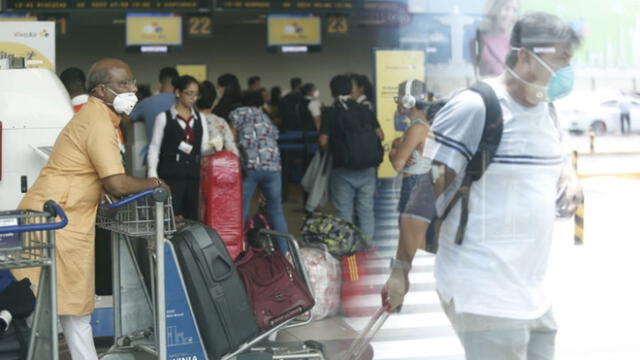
(294, 30)
(149, 29)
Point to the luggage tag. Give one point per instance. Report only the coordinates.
(185, 147)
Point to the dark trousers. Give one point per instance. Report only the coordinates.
(185, 192)
(625, 118)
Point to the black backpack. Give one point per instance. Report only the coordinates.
(353, 141)
(489, 142)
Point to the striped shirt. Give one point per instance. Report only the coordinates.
(499, 269)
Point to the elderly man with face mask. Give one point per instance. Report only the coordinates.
(491, 283)
(84, 163)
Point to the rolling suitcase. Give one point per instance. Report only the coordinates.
(219, 301)
(221, 198)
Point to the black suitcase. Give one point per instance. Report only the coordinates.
(225, 318)
(15, 342)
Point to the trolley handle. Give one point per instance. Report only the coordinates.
(52, 209)
(160, 194)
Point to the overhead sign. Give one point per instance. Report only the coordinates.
(293, 30)
(337, 24)
(199, 26)
(126, 5)
(199, 72)
(391, 67)
(34, 41)
(154, 29)
(278, 5)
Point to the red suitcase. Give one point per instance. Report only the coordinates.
(221, 198)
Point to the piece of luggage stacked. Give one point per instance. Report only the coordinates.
(243, 294)
(239, 304)
(351, 251)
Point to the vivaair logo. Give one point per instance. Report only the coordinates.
(153, 28)
(31, 34)
(293, 29)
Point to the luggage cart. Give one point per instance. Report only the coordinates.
(139, 316)
(29, 241)
(160, 323)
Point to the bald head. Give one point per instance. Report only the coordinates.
(106, 71)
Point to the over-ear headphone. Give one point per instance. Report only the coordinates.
(408, 100)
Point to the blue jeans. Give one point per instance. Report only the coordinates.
(354, 188)
(271, 184)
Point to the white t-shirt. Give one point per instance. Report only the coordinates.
(500, 267)
(314, 106)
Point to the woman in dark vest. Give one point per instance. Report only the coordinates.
(179, 138)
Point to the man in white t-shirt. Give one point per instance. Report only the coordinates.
(310, 108)
(491, 285)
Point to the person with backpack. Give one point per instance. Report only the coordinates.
(290, 106)
(350, 132)
(497, 161)
(180, 137)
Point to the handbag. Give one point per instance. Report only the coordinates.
(273, 287)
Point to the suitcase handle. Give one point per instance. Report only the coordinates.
(359, 345)
(205, 249)
(217, 259)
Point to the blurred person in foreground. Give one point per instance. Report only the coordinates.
(491, 278)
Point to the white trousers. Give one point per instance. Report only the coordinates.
(79, 336)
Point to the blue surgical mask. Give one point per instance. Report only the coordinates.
(561, 81)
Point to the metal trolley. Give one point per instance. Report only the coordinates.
(145, 322)
(139, 315)
(31, 239)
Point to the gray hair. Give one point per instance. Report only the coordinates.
(540, 29)
(97, 77)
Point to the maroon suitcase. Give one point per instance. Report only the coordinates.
(273, 287)
(221, 198)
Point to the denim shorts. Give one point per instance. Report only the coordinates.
(417, 200)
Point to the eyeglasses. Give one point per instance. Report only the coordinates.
(125, 83)
(190, 94)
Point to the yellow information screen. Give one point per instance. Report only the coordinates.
(293, 30)
(392, 67)
(199, 72)
(151, 29)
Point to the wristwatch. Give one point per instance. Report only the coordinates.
(400, 264)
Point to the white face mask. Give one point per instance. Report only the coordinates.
(124, 103)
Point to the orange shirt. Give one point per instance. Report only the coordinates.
(86, 151)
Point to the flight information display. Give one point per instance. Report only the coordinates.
(126, 5)
(311, 5)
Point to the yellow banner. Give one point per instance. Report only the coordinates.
(392, 67)
(197, 71)
(154, 30)
(294, 30)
